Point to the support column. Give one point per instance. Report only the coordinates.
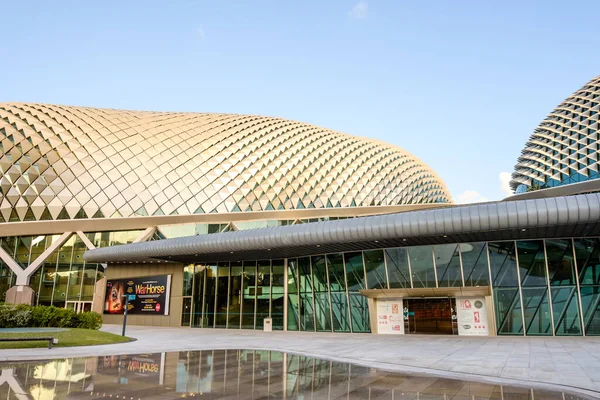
(20, 294)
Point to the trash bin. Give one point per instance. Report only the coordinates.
(268, 325)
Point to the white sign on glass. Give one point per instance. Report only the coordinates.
(390, 318)
(472, 316)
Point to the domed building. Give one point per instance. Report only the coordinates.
(563, 149)
(248, 222)
(61, 162)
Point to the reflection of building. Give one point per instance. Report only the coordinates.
(253, 374)
(258, 217)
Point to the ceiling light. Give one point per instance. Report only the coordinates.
(318, 245)
(523, 230)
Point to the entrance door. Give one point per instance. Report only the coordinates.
(79, 306)
(430, 316)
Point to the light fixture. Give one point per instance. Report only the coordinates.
(268, 249)
(318, 245)
(404, 240)
(523, 230)
(377, 241)
(445, 236)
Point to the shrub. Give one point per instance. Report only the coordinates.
(88, 320)
(12, 316)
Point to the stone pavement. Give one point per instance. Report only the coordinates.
(554, 363)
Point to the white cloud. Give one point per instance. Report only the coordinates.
(200, 32)
(470, 196)
(504, 183)
(359, 10)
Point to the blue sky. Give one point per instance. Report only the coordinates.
(460, 84)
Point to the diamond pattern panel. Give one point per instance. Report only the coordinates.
(564, 147)
(59, 162)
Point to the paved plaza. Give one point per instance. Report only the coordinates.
(557, 363)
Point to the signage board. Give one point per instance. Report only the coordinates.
(147, 295)
(472, 316)
(390, 317)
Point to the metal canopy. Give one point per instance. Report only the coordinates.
(570, 216)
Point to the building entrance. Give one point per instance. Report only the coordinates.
(430, 316)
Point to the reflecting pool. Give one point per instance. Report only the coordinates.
(235, 374)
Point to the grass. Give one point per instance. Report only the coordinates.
(66, 338)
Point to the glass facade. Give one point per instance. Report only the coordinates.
(63, 278)
(539, 287)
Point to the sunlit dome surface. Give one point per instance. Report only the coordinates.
(60, 162)
(564, 147)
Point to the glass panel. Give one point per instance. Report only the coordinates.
(263, 292)
(322, 306)
(590, 303)
(209, 303)
(322, 312)
(375, 268)
(307, 322)
(359, 310)
(188, 278)
(249, 294)
(397, 264)
(293, 301)
(235, 295)
(319, 271)
(503, 264)
(532, 262)
(90, 276)
(587, 252)
(222, 285)
(565, 306)
(447, 262)
(537, 311)
(561, 266)
(508, 311)
(277, 294)
(337, 286)
(199, 271)
(475, 264)
(421, 263)
(335, 267)
(74, 279)
(186, 311)
(355, 272)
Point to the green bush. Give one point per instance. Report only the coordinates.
(46, 316)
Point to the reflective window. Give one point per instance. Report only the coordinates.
(475, 263)
(235, 295)
(222, 286)
(320, 284)
(587, 252)
(307, 316)
(355, 272)
(509, 317)
(503, 264)
(565, 305)
(590, 303)
(210, 290)
(447, 262)
(293, 316)
(561, 266)
(421, 264)
(263, 293)
(375, 268)
(359, 311)
(188, 279)
(277, 293)
(249, 296)
(537, 311)
(398, 270)
(532, 262)
(199, 298)
(337, 287)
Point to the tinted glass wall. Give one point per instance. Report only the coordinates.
(539, 287)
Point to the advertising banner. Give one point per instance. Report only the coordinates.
(390, 317)
(147, 295)
(472, 316)
(146, 368)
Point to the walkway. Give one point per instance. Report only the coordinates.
(553, 363)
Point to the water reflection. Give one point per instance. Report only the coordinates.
(234, 374)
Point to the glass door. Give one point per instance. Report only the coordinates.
(79, 306)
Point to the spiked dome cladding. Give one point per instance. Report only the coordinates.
(564, 148)
(61, 162)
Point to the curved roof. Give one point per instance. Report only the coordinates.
(60, 162)
(540, 218)
(563, 149)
